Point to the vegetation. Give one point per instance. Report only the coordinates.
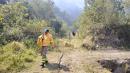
(103, 23)
(15, 56)
(106, 23)
(23, 21)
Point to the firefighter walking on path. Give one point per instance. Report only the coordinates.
(45, 41)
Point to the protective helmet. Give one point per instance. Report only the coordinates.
(46, 30)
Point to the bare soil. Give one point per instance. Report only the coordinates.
(77, 61)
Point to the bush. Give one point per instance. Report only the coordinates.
(106, 23)
(15, 46)
(30, 43)
(15, 56)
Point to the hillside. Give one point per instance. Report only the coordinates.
(78, 36)
(73, 8)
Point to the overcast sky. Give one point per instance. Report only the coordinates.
(72, 7)
(70, 3)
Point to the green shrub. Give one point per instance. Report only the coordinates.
(15, 57)
(107, 22)
(30, 43)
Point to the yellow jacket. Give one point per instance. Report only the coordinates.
(45, 40)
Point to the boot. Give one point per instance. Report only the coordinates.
(46, 62)
(43, 65)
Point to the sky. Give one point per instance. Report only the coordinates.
(77, 3)
(72, 7)
(68, 3)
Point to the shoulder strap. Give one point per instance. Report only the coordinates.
(42, 37)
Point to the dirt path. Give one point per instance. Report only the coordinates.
(77, 61)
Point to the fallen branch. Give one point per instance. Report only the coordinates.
(59, 63)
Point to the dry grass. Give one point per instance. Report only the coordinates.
(77, 61)
(14, 57)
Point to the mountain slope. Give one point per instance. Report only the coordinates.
(73, 8)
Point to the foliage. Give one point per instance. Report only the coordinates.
(15, 24)
(14, 18)
(30, 43)
(24, 21)
(34, 28)
(103, 20)
(59, 27)
(15, 57)
(41, 9)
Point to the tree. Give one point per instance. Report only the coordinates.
(105, 21)
(60, 27)
(13, 20)
(41, 9)
(15, 24)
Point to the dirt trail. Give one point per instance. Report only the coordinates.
(77, 61)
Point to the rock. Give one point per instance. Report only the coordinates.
(64, 43)
(88, 43)
(109, 64)
(68, 45)
(116, 66)
(122, 68)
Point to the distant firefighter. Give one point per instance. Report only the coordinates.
(74, 33)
